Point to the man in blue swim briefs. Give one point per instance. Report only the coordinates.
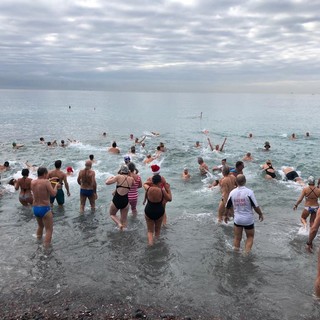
(42, 190)
(88, 186)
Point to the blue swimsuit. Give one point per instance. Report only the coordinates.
(40, 211)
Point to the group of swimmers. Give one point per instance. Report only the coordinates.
(156, 195)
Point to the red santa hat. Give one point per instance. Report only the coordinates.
(155, 169)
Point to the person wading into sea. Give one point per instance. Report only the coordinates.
(243, 202)
(42, 190)
(88, 186)
(58, 177)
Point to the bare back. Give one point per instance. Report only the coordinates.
(42, 190)
(227, 184)
(87, 179)
(311, 195)
(57, 174)
(24, 184)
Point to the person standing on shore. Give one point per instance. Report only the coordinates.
(59, 178)
(88, 186)
(42, 190)
(243, 202)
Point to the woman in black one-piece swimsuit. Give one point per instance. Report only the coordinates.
(154, 210)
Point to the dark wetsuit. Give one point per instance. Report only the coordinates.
(292, 175)
(118, 200)
(270, 173)
(154, 210)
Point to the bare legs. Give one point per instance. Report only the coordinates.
(238, 236)
(154, 229)
(92, 200)
(317, 282)
(47, 223)
(133, 205)
(122, 222)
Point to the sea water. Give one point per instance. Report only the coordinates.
(193, 263)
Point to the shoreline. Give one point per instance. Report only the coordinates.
(93, 308)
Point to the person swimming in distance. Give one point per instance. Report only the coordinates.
(267, 167)
(17, 145)
(203, 167)
(267, 146)
(219, 167)
(137, 141)
(5, 166)
(217, 146)
(185, 174)
(63, 144)
(148, 159)
(114, 149)
(247, 157)
(126, 159)
(92, 159)
(69, 171)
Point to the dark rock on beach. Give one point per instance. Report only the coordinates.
(69, 309)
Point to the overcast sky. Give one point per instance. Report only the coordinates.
(200, 45)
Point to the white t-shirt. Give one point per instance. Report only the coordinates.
(242, 199)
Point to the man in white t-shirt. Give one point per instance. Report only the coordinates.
(243, 202)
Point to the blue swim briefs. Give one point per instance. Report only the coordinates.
(40, 211)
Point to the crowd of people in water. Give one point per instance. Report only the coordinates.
(237, 201)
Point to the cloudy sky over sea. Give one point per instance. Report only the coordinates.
(205, 45)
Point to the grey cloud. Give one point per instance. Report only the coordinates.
(156, 41)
